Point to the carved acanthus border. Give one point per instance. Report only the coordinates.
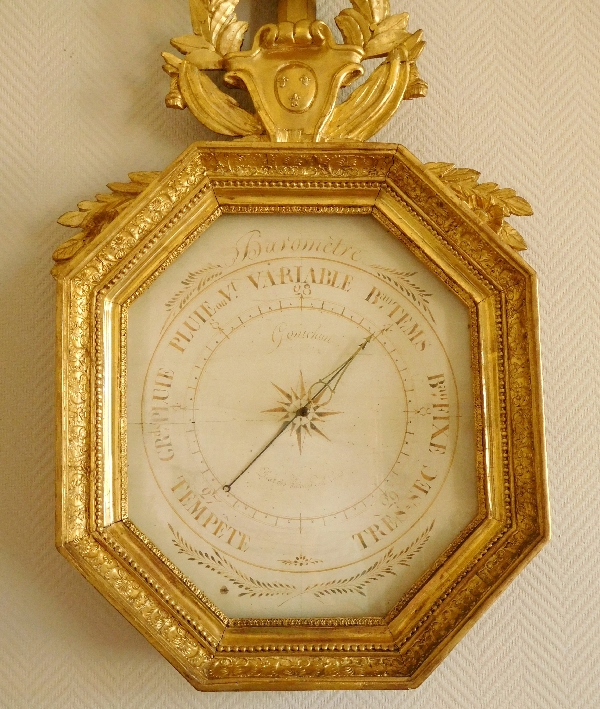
(309, 667)
(146, 609)
(80, 340)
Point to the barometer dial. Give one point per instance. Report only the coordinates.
(300, 416)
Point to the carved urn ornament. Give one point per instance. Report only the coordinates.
(300, 428)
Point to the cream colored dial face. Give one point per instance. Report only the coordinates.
(300, 416)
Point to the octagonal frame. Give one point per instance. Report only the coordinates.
(215, 652)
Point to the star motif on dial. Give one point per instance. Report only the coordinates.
(305, 414)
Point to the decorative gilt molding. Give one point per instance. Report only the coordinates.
(295, 70)
(293, 73)
(490, 203)
(464, 591)
(78, 321)
(94, 216)
(145, 608)
(311, 667)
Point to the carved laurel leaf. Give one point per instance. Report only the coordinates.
(67, 250)
(391, 33)
(362, 22)
(94, 216)
(491, 204)
(217, 32)
(350, 29)
(393, 21)
(371, 106)
(373, 10)
(414, 45)
(200, 17)
(221, 17)
(205, 59)
(380, 9)
(215, 109)
(364, 7)
(232, 37)
(190, 42)
(173, 63)
(512, 237)
(512, 203)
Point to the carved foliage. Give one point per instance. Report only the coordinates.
(521, 403)
(217, 32)
(298, 666)
(79, 324)
(93, 216)
(491, 204)
(147, 611)
(367, 27)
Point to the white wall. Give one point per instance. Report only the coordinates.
(514, 93)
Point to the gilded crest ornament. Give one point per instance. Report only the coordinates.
(297, 106)
(300, 430)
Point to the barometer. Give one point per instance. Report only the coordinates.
(300, 427)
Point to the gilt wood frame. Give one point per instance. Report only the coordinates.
(212, 651)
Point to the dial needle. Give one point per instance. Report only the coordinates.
(331, 382)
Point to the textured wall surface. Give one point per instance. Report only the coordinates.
(515, 94)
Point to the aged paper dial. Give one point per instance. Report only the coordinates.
(300, 416)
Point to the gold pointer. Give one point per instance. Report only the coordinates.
(331, 382)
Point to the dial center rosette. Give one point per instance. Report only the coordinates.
(338, 446)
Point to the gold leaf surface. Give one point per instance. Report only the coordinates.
(350, 29)
(232, 37)
(491, 204)
(222, 16)
(205, 59)
(213, 108)
(364, 8)
(190, 42)
(380, 9)
(199, 13)
(371, 106)
(94, 216)
(361, 21)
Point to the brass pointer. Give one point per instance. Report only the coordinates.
(331, 382)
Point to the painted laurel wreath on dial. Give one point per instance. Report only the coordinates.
(387, 565)
(401, 280)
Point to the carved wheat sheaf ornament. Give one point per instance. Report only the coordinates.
(300, 427)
